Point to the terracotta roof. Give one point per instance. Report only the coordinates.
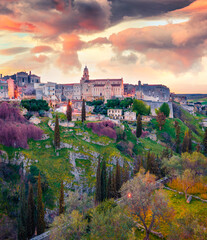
(93, 80)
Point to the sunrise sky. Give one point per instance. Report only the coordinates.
(155, 41)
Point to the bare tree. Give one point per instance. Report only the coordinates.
(188, 180)
(145, 201)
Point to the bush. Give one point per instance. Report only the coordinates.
(165, 109)
(35, 105)
(140, 107)
(106, 128)
(15, 129)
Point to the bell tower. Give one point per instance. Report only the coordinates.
(85, 74)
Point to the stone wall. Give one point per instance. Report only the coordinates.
(157, 105)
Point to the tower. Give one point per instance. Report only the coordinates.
(85, 74)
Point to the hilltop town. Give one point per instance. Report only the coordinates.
(22, 85)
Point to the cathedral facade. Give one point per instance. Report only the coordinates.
(94, 89)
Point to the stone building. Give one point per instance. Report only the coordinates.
(115, 113)
(156, 93)
(130, 116)
(3, 89)
(22, 79)
(94, 89)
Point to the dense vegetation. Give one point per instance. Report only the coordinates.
(15, 130)
(35, 105)
(104, 162)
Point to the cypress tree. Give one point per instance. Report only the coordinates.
(61, 199)
(22, 219)
(149, 167)
(137, 164)
(139, 127)
(30, 213)
(113, 185)
(205, 142)
(198, 148)
(40, 209)
(98, 183)
(186, 142)
(177, 133)
(189, 141)
(83, 113)
(103, 181)
(57, 133)
(118, 180)
(69, 111)
(109, 187)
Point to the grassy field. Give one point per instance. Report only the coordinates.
(197, 208)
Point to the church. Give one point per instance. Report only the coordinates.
(92, 89)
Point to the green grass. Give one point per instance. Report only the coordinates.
(146, 144)
(58, 168)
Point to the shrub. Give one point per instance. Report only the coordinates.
(15, 130)
(106, 128)
(35, 105)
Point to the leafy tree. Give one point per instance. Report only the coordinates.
(139, 127)
(22, 219)
(195, 162)
(79, 202)
(165, 109)
(113, 103)
(146, 202)
(177, 134)
(126, 102)
(140, 107)
(187, 227)
(103, 181)
(69, 111)
(188, 180)
(95, 103)
(83, 112)
(98, 183)
(40, 209)
(35, 105)
(30, 213)
(57, 133)
(161, 118)
(112, 223)
(69, 226)
(205, 141)
(61, 199)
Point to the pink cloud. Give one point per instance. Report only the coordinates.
(40, 49)
(176, 47)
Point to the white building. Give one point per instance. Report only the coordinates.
(130, 116)
(115, 113)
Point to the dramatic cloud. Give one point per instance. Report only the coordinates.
(7, 23)
(98, 41)
(40, 49)
(60, 33)
(51, 18)
(144, 8)
(25, 62)
(68, 59)
(174, 46)
(13, 51)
